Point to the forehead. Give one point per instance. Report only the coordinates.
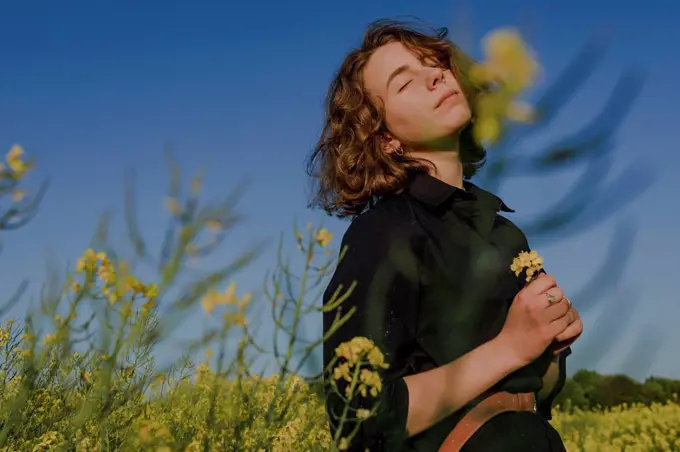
(383, 61)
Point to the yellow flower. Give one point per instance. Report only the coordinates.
(18, 195)
(342, 371)
(510, 59)
(235, 318)
(214, 226)
(363, 413)
(324, 237)
(173, 206)
(510, 68)
(370, 382)
(107, 274)
(209, 301)
(355, 349)
(126, 310)
(214, 298)
(230, 294)
(148, 306)
(151, 291)
(487, 129)
(48, 339)
(4, 337)
(14, 161)
(531, 262)
(88, 261)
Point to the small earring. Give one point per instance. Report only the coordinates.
(399, 151)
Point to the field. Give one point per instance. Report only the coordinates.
(186, 415)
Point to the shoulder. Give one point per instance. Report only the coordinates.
(514, 233)
(389, 220)
(381, 244)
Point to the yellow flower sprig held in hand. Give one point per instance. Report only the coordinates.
(529, 262)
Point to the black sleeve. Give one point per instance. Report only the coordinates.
(381, 259)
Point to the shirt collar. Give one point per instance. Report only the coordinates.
(434, 192)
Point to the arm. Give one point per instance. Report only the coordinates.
(432, 397)
(385, 300)
(385, 267)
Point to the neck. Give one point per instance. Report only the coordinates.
(447, 166)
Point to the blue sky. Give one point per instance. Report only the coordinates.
(94, 88)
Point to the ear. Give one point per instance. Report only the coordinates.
(390, 145)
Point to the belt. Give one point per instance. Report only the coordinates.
(480, 414)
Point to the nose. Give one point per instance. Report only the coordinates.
(435, 77)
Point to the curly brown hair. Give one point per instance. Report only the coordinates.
(348, 164)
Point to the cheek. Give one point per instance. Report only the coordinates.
(402, 119)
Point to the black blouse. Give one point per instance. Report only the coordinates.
(432, 267)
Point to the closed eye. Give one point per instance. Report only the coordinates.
(404, 86)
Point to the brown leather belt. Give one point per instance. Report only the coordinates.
(480, 414)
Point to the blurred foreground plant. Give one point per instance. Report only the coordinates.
(509, 69)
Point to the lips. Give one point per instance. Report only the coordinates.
(445, 96)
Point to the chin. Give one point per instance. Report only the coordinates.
(457, 118)
(455, 127)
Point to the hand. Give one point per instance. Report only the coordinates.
(569, 335)
(534, 322)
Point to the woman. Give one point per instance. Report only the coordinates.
(475, 357)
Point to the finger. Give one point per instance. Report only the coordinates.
(560, 324)
(552, 296)
(571, 332)
(558, 310)
(541, 284)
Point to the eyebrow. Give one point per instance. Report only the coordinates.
(400, 70)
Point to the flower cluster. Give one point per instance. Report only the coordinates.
(14, 171)
(529, 262)
(356, 353)
(229, 298)
(510, 68)
(323, 237)
(116, 280)
(16, 166)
